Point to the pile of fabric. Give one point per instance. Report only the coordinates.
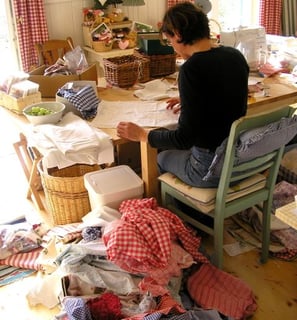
(141, 261)
(71, 141)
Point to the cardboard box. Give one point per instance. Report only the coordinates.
(18, 104)
(49, 85)
(111, 186)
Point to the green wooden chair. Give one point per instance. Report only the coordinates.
(248, 166)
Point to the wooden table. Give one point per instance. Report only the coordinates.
(149, 170)
(280, 93)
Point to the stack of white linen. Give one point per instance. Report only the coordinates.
(71, 141)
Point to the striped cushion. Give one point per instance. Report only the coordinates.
(255, 143)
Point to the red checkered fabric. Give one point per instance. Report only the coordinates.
(270, 16)
(31, 28)
(142, 241)
(166, 306)
(171, 3)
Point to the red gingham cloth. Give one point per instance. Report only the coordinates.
(142, 241)
(166, 306)
(270, 16)
(212, 288)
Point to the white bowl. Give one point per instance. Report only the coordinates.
(52, 118)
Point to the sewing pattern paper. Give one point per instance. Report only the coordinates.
(144, 113)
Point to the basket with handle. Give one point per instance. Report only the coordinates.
(66, 197)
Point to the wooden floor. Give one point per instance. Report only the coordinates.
(274, 284)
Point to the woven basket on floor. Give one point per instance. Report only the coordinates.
(66, 197)
(125, 71)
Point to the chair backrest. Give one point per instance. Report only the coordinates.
(264, 146)
(50, 51)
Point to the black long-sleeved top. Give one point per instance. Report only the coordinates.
(213, 88)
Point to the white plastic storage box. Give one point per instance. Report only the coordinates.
(109, 187)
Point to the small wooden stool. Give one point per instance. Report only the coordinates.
(29, 157)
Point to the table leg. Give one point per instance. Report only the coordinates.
(149, 170)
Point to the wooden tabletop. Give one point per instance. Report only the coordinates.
(280, 93)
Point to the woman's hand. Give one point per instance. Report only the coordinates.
(173, 104)
(131, 131)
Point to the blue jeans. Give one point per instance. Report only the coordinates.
(190, 166)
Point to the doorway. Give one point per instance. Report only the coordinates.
(9, 57)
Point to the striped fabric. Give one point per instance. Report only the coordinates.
(26, 260)
(212, 288)
(270, 16)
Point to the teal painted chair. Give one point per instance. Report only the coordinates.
(247, 164)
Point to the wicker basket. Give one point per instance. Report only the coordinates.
(66, 197)
(125, 71)
(161, 65)
(102, 46)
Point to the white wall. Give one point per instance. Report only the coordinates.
(64, 17)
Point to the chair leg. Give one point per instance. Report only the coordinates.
(32, 184)
(217, 259)
(266, 217)
(29, 164)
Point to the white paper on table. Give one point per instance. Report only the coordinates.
(157, 89)
(144, 113)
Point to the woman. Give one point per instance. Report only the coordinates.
(213, 90)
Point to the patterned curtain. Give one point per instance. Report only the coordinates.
(171, 3)
(270, 16)
(31, 28)
(289, 18)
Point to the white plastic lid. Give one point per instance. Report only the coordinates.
(112, 180)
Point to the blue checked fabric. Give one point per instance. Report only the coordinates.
(85, 100)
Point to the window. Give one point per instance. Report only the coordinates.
(8, 53)
(235, 13)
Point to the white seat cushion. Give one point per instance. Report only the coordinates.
(204, 198)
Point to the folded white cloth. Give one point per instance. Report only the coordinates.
(156, 90)
(71, 141)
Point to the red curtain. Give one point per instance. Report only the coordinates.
(270, 16)
(31, 28)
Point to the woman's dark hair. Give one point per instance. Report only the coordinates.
(186, 20)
